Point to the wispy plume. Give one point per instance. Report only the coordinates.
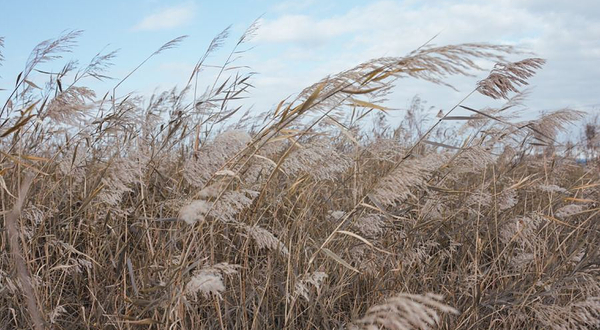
(404, 312)
(508, 77)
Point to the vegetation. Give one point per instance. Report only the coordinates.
(179, 212)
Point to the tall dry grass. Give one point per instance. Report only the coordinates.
(178, 212)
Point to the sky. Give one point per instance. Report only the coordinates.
(299, 42)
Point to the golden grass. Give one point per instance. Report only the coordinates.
(181, 213)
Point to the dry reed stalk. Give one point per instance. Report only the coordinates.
(181, 212)
(11, 221)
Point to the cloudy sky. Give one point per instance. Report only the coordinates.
(301, 41)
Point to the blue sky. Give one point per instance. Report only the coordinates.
(119, 25)
(301, 41)
(136, 29)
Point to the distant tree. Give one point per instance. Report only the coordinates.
(591, 138)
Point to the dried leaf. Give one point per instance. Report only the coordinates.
(337, 258)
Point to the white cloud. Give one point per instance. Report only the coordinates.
(167, 18)
(302, 28)
(567, 36)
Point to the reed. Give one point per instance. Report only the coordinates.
(180, 212)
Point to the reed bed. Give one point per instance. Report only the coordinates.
(182, 212)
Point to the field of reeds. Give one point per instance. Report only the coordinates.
(180, 211)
